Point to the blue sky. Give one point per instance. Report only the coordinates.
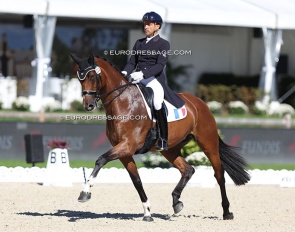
(18, 37)
(66, 34)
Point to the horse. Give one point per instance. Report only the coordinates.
(102, 80)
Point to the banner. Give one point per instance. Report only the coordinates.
(89, 141)
(86, 141)
(262, 145)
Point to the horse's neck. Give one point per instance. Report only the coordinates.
(113, 80)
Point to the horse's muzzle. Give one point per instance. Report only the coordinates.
(90, 107)
(89, 104)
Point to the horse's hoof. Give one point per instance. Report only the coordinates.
(84, 196)
(178, 207)
(148, 219)
(229, 216)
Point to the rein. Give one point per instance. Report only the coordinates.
(125, 86)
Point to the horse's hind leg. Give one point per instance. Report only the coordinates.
(210, 148)
(130, 166)
(174, 156)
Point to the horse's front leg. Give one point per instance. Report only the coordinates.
(119, 151)
(130, 166)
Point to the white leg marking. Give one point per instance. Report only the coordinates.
(88, 184)
(146, 207)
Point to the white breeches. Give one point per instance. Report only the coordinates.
(158, 93)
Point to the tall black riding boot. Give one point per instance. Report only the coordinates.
(162, 142)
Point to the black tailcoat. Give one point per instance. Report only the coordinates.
(151, 58)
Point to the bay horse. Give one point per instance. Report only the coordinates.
(100, 79)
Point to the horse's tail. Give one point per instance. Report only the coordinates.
(234, 164)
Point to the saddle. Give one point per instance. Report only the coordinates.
(148, 94)
(152, 135)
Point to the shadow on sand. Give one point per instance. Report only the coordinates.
(74, 216)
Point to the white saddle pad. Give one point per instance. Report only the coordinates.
(174, 114)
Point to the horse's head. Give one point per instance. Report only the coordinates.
(89, 75)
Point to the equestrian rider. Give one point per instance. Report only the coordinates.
(147, 66)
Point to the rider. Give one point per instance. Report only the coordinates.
(147, 66)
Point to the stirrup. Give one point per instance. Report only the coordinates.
(161, 145)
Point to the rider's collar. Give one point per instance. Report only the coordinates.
(153, 38)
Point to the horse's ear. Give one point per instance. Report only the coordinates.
(75, 58)
(91, 59)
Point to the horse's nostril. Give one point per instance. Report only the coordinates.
(90, 107)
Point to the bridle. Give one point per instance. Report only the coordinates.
(96, 93)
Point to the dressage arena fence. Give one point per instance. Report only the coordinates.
(203, 177)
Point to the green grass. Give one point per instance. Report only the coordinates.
(51, 117)
(118, 164)
(273, 166)
(6, 115)
(246, 116)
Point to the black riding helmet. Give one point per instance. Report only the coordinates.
(154, 17)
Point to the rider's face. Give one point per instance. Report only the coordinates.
(150, 28)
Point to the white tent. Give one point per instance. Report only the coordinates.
(245, 13)
(213, 12)
(271, 15)
(284, 11)
(110, 10)
(23, 7)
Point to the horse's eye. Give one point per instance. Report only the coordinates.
(92, 77)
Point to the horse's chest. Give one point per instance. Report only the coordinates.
(113, 131)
